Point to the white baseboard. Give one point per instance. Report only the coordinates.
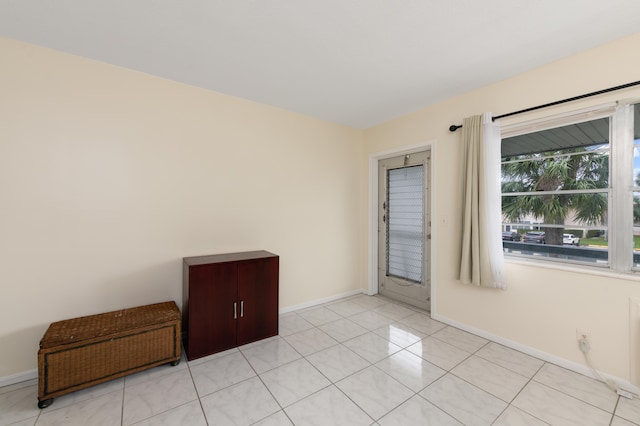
(33, 374)
(18, 377)
(553, 359)
(320, 301)
(569, 365)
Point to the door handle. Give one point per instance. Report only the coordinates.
(241, 308)
(235, 310)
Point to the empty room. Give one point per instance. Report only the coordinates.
(290, 213)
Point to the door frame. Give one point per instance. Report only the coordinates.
(374, 159)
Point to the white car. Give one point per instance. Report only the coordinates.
(570, 239)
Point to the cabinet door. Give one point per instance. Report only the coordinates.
(258, 295)
(212, 294)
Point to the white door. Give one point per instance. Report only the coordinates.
(404, 229)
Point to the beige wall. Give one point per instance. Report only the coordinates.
(109, 177)
(543, 306)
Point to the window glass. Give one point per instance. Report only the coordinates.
(555, 192)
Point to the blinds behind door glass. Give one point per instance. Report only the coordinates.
(405, 222)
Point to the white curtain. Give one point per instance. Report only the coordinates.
(482, 260)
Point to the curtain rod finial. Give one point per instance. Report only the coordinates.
(453, 127)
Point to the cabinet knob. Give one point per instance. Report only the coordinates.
(235, 310)
(241, 308)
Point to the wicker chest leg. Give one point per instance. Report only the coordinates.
(45, 403)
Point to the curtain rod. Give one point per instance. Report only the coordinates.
(454, 127)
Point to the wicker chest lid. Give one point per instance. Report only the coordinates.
(109, 323)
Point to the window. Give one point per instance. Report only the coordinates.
(571, 188)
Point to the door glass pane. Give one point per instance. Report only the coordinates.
(404, 223)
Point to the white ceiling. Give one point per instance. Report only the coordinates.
(354, 62)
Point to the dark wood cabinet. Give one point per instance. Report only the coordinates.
(228, 300)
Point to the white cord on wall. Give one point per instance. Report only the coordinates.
(585, 347)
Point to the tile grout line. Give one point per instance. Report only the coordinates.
(267, 387)
(204, 414)
(568, 394)
(334, 384)
(375, 309)
(124, 387)
(370, 363)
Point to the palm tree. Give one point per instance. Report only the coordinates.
(567, 169)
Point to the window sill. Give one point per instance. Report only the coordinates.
(575, 268)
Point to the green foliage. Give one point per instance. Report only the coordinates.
(595, 241)
(577, 232)
(601, 242)
(593, 233)
(568, 169)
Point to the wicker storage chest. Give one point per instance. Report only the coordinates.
(81, 352)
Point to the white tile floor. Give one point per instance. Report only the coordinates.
(358, 361)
